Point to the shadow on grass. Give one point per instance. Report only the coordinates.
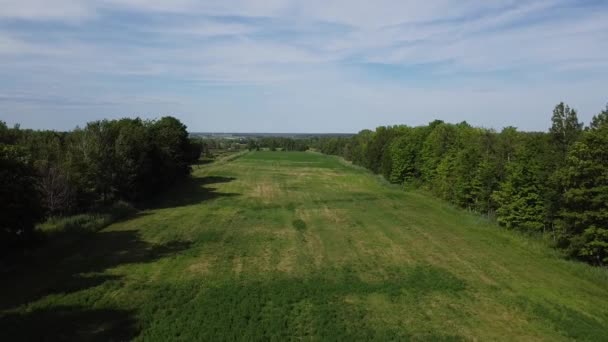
(70, 323)
(329, 306)
(73, 263)
(193, 190)
(80, 268)
(204, 161)
(570, 323)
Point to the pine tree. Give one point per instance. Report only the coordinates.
(520, 200)
(585, 202)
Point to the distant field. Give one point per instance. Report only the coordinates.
(297, 245)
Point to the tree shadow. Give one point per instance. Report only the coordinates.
(70, 323)
(193, 190)
(322, 305)
(201, 162)
(81, 266)
(77, 264)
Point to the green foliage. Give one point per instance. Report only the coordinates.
(405, 155)
(437, 145)
(519, 207)
(274, 143)
(20, 202)
(486, 176)
(520, 198)
(600, 120)
(584, 178)
(48, 173)
(565, 127)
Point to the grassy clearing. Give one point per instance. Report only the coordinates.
(291, 246)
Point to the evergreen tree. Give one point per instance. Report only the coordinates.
(519, 200)
(585, 203)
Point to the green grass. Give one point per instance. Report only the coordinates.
(85, 223)
(291, 246)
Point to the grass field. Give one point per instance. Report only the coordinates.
(301, 246)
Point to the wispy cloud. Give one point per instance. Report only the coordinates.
(183, 50)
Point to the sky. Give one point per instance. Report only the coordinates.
(301, 66)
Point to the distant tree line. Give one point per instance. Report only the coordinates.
(215, 145)
(276, 143)
(48, 173)
(552, 183)
(251, 142)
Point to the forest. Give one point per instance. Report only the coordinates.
(553, 184)
(48, 174)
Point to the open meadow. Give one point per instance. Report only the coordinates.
(302, 246)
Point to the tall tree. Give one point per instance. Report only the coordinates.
(519, 200)
(565, 127)
(585, 204)
(437, 144)
(405, 154)
(487, 175)
(170, 138)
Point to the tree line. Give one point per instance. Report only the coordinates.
(251, 143)
(553, 183)
(49, 173)
(274, 143)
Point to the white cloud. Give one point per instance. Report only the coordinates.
(46, 10)
(307, 48)
(207, 29)
(384, 32)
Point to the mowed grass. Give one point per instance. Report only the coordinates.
(301, 246)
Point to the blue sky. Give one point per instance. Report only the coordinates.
(301, 66)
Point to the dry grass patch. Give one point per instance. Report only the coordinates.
(315, 249)
(336, 216)
(237, 265)
(202, 266)
(265, 191)
(287, 260)
(303, 214)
